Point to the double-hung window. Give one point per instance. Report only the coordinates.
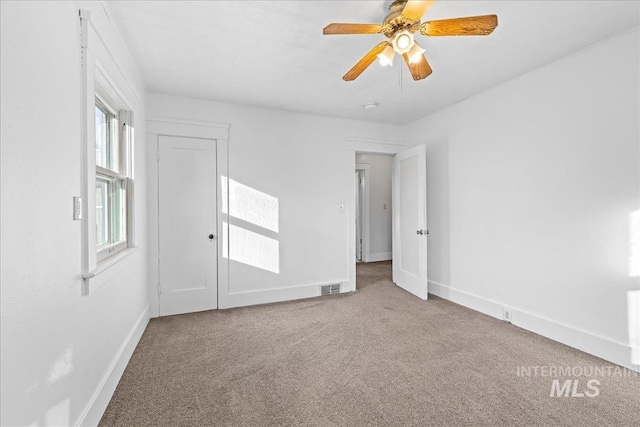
(113, 170)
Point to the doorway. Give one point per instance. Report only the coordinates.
(373, 199)
(408, 212)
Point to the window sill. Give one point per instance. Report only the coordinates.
(107, 265)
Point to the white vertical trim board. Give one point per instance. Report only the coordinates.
(350, 205)
(366, 223)
(100, 400)
(222, 193)
(153, 232)
(596, 345)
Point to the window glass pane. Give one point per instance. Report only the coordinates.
(111, 196)
(131, 154)
(101, 138)
(118, 212)
(114, 145)
(102, 211)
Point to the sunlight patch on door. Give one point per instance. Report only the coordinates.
(249, 204)
(247, 247)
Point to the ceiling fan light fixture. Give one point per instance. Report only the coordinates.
(386, 56)
(404, 20)
(403, 42)
(415, 53)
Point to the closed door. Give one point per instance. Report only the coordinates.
(410, 220)
(187, 222)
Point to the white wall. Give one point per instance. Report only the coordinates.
(58, 347)
(530, 188)
(380, 195)
(298, 159)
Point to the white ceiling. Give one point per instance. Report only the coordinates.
(273, 53)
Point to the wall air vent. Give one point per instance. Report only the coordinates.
(330, 289)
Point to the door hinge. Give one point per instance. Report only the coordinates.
(158, 154)
(159, 289)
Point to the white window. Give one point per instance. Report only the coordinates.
(113, 140)
(107, 200)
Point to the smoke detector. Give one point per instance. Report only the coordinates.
(370, 106)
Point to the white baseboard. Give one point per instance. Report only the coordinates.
(599, 346)
(100, 400)
(242, 299)
(379, 256)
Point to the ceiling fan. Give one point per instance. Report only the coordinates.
(399, 26)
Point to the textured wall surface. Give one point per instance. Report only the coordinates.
(57, 345)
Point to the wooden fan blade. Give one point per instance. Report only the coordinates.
(337, 28)
(367, 60)
(470, 26)
(420, 69)
(414, 9)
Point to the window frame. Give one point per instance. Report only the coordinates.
(122, 136)
(101, 74)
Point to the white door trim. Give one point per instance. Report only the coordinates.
(188, 122)
(168, 126)
(365, 214)
(364, 146)
(187, 128)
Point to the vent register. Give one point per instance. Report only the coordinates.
(330, 289)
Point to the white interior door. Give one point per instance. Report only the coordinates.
(188, 252)
(410, 220)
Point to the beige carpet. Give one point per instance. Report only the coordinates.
(376, 357)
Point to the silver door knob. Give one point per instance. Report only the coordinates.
(419, 232)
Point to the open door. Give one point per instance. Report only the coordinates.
(410, 221)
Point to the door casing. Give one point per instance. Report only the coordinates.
(169, 126)
(196, 220)
(360, 146)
